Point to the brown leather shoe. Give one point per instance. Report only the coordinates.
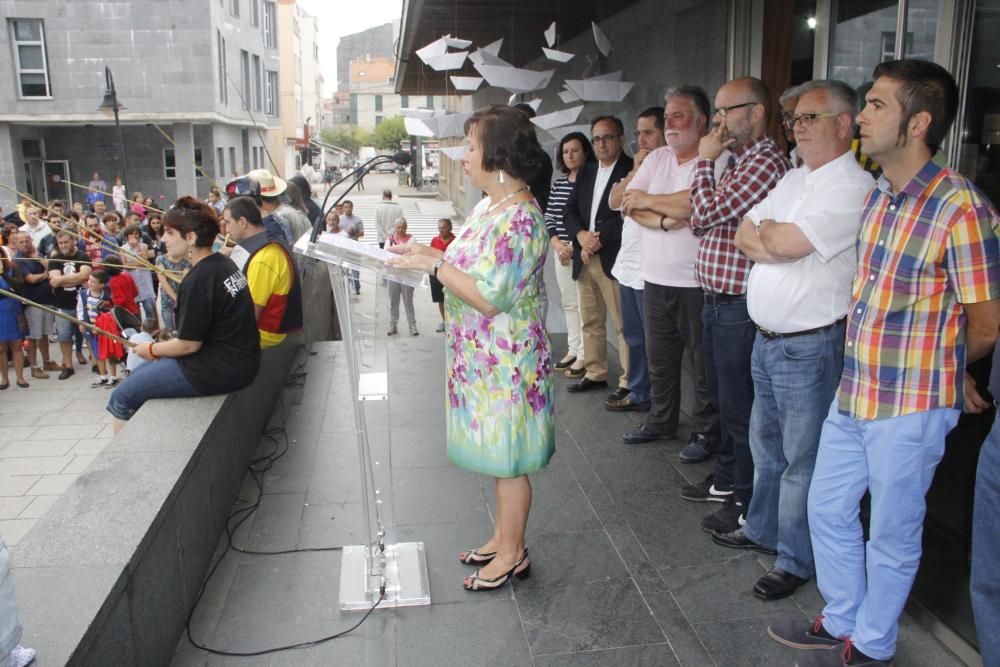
(39, 374)
(624, 405)
(52, 366)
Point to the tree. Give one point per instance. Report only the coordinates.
(389, 133)
(348, 137)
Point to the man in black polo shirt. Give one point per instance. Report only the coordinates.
(37, 289)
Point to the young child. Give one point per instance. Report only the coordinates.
(168, 289)
(124, 291)
(147, 335)
(94, 302)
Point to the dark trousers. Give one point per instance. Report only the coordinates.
(672, 317)
(728, 339)
(632, 330)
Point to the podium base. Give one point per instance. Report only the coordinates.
(405, 567)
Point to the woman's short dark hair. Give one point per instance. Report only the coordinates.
(130, 230)
(925, 86)
(507, 140)
(588, 150)
(191, 215)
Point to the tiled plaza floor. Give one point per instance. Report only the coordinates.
(622, 574)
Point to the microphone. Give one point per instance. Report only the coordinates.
(401, 158)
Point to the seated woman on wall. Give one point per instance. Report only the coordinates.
(217, 348)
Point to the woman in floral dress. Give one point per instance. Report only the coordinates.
(499, 363)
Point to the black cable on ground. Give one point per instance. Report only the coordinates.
(258, 466)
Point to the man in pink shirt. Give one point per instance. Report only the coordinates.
(672, 298)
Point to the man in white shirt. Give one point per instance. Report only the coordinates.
(672, 297)
(387, 214)
(628, 272)
(35, 226)
(802, 238)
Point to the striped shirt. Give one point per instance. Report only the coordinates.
(718, 209)
(921, 255)
(558, 196)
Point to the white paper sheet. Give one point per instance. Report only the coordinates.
(557, 118)
(515, 79)
(446, 61)
(558, 56)
(550, 35)
(466, 82)
(453, 152)
(601, 40)
(595, 90)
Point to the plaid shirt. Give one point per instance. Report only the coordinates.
(717, 210)
(921, 254)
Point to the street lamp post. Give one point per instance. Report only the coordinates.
(110, 105)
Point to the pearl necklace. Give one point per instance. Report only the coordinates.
(493, 207)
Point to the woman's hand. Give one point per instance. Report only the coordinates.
(412, 260)
(414, 249)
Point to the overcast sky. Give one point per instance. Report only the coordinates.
(345, 17)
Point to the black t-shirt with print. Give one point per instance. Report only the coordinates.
(214, 307)
(65, 297)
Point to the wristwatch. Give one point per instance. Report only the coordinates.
(437, 265)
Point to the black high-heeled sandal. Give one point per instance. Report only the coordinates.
(473, 557)
(477, 583)
(564, 364)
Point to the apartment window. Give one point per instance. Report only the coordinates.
(30, 63)
(271, 93)
(258, 85)
(430, 101)
(255, 13)
(223, 74)
(270, 24)
(232, 159)
(378, 103)
(245, 71)
(378, 120)
(234, 8)
(170, 163)
(220, 162)
(404, 101)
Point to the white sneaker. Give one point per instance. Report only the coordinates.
(440, 328)
(21, 657)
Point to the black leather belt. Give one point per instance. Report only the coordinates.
(773, 334)
(713, 299)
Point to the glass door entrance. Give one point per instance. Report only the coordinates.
(56, 174)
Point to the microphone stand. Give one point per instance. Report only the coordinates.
(365, 168)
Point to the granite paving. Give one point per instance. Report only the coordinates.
(622, 574)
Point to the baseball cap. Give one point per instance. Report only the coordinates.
(259, 182)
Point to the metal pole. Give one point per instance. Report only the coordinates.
(118, 125)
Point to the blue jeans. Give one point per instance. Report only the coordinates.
(160, 379)
(866, 586)
(148, 308)
(632, 331)
(986, 548)
(794, 381)
(727, 343)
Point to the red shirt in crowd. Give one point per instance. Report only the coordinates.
(124, 292)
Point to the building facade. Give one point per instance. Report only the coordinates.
(376, 42)
(196, 82)
(659, 44)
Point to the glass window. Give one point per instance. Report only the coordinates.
(857, 39)
(30, 64)
(232, 159)
(378, 103)
(245, 72)
(270, 24)
(169, 164)
(223, 88)
(404, 101)
(430, 101)
(258, 85)
(271, 93)
(255, 13)
(234, 8)
(220, 162)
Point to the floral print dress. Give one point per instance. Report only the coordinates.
(499, 407)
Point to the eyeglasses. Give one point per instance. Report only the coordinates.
(604, 137)
(724, 111)
(807, 119)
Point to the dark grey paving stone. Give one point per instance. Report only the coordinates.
(683, 639)
(558, 504)
(275, 600)
(635, 557)
(459, 635)
(637, 471)
(442, 544)
(923, 650)
(419, 447)
(409, 416)
(744, 643)
(586, 616)
(438, 495)
(722, 591)
(659, 655)
(335, 475)
(332, 524)
(564, 559)
(275, 524)
(669, 529)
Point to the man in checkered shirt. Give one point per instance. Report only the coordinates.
(741, 117)
(925, 302)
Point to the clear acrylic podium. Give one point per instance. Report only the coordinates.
(382, 567)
